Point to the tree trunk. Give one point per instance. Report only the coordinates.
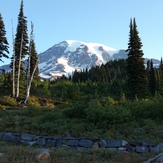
(29, 84)
(13, 73)
(18, 80)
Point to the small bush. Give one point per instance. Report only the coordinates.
(98, 114)
(8, 101)
(2, 107)
(34, 102)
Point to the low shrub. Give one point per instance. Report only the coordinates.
(145, 109)
(108, 115)
(2, 107)
(8, 101)
(34, 102)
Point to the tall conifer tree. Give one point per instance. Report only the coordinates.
(152, 79)
(136, 73)
(3, 40)
(21, 48)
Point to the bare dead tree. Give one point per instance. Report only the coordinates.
(20, 59)
(13, 71)
(29, 75)
(29, 83)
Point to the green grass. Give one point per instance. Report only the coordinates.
(139, 120)
(25, 154)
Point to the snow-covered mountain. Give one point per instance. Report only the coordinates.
(64, 57)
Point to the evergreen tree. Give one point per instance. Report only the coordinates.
(136, 73)
(3, 40)
(152, 79)
(20, 48)
(161, 77)
(33, 58)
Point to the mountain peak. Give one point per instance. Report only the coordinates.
(63, 58)
(69, 55)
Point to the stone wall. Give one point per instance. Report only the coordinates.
(80, 143)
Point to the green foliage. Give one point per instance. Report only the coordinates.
(146, 109)
(2, 107)
(8, 101)
(77, 110)
(111, 101)
(3, 40)
(33, 102)
(105, 116)
(46, 87)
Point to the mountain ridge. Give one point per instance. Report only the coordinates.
(63, 58)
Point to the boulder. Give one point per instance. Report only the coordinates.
(95, 146)
(72, 143)
(41, 142)
(124, 143)
(129, 148)
(158, 148)
(122, 149)
(148, 143)
(102, 143)
(1, 154)
(135, 143)
(8, 137)
(32, 143)
(157, 159)
(43, 155)
(142, 149)
(114, 143)
(59, 143)
(67, 137)
(51, 143)
(28, 137)
(85, 143)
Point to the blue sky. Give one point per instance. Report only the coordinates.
(101, 21)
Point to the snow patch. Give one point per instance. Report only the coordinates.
(42, 65)
(64, 62)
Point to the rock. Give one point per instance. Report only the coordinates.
(59, 143)
(102, 143)
(157, 159)
(148, 143)
(41, 142)
(95, 146)
(32, 143)
(28, 137)
(158, 148)
(51, 143)
(129, 148)
(86, 143)
(122, 149)
(1, 154)
(1, 135)
(8, 137)
(135, 143)
(43, 156)
(114, 143)
(142, 149)
(72, 143)
(68, 137)
(124, 143)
